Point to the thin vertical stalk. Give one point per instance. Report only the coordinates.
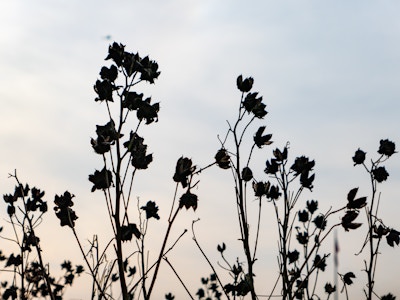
(242, 214)
(118, 193)
(372, 255)
(38, 251)
(170, 222)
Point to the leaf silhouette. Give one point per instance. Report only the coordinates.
(247, 174)
(347, 220)
(312, 206)
(222, 159)
(127, 232)
(359, 157)
(151, 210)
(244, 85)
(387, 147)
(347, 278)
(393, 238)
(182, 170)
(260, 140)
(352, 194)
(101, 179)
(188, 200)
(110, 74)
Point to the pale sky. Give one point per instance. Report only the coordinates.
(329, 72)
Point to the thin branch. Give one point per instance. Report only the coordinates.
(180, 280)
(170, 222)
(258, 229)
(156, 262)
(87, 263)
(206, 258)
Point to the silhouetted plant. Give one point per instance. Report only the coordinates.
(295, 278)
(377, 229)
(301, 227)
(210, 289)
(31, 276)
(298, 267)
(121, 161)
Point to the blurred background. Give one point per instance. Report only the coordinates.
(329, 73)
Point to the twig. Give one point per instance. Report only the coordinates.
(205, 256)
(173, 269)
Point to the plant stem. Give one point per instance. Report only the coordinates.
(143, 269)
(117, 212)
(372, 254)
(88, 264)
(170, 222)
(208, 261)
(286, 285)
(242, 213)
(179, 278)
(154, 264)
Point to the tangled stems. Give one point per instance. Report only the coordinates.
(121, 162)
(284, 234)
(92, 272)
(36, 244)
(134, 70)
(372, 213)
(252, 104)
(26, 208)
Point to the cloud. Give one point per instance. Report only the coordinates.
(329, 73)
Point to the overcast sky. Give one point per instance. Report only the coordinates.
(329, 72)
